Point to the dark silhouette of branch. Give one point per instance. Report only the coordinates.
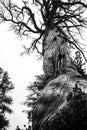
(33, 18)
(34, 46)
(67, 16)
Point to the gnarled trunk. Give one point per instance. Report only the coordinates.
(56, 58)
(64, 84)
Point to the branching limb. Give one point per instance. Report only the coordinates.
(66, 16)
(34, 46)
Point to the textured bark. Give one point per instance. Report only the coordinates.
(60, 90)
(51, 47)
(56, 54)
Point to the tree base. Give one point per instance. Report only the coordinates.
(62, 104)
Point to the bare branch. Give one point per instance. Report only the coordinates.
(75, 2)
(66, 16)
(33, 19)
(33, 46)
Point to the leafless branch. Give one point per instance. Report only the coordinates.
(66, 16)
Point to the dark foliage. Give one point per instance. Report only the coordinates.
(34, 92)
(67, 16)
(5, 100)
(35, 89)
(3, 121)
(79, 64)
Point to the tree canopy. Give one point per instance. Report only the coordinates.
(36, 16)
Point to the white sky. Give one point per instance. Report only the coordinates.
(21, 70)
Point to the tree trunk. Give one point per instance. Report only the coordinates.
(65, 88)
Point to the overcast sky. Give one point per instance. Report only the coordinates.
(21, 70)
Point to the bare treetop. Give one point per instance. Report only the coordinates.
(65, 15)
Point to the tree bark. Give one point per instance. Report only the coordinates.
(64, 84)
